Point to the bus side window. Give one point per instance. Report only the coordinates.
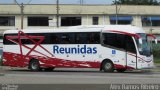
(88, 38)
(8, 42)
(114, 40)
(67, 38)
(120, 41)
(109, 39)
(130, 46)
(96, 38)
(64, 39)
(81, 38)
(54, 39)
(93, 38)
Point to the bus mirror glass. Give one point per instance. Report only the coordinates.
(140, 40)
(156, 41)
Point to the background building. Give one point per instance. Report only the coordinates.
(45, 16)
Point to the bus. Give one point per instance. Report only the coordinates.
(107, 47)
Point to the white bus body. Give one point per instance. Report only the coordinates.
(108, 47)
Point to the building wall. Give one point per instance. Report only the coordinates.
(86, 12)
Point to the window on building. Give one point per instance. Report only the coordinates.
(95, 20)
(38, 21)
(150, 20)
(121, 20)
(7, 20)
(70, 21)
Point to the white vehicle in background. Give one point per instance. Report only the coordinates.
(108, 47)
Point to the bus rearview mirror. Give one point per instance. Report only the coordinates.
(140, 40)
(156, 41)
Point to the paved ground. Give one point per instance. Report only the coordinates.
(78, 76)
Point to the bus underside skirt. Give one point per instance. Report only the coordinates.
(15, 60)
(118, 66)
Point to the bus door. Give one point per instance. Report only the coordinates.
(131, 55)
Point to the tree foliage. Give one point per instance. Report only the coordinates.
(137, 2)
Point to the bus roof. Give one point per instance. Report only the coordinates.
(85, 28)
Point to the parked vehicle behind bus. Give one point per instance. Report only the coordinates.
(108, 47)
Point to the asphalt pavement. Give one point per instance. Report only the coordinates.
(78, 76)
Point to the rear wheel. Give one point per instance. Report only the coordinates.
(34, 65)
(108, 66)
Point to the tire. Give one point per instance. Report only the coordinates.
(108, 66)
(34, 65)
(121, 70)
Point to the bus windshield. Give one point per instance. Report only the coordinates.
(144, 48)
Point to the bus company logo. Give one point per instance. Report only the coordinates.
(74, 50)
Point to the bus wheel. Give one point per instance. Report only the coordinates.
(34, 65)
(108, 66)
(121, 70)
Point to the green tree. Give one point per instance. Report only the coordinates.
(137, 2)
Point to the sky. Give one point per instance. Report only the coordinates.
(61, 1)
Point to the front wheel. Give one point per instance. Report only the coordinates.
(34, 65)
(108, 66)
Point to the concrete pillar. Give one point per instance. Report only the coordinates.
(18, 21)
(107, 20)
(90, 21)
(25, 22)
(84, 20)
(52, 21)
(137, 21)
(101, 20)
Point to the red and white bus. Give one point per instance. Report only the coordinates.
(108, 47)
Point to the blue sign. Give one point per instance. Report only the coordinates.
(113, 51)
(83, 49)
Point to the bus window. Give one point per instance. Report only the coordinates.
(96, 38)
(82, 38)
(88, 38)
(54, 39)
(67, 38)
(8, 42)
(121, 41)
(130, 46)
(114, 40)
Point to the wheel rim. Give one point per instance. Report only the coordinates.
(34, 65)
(108, 66)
